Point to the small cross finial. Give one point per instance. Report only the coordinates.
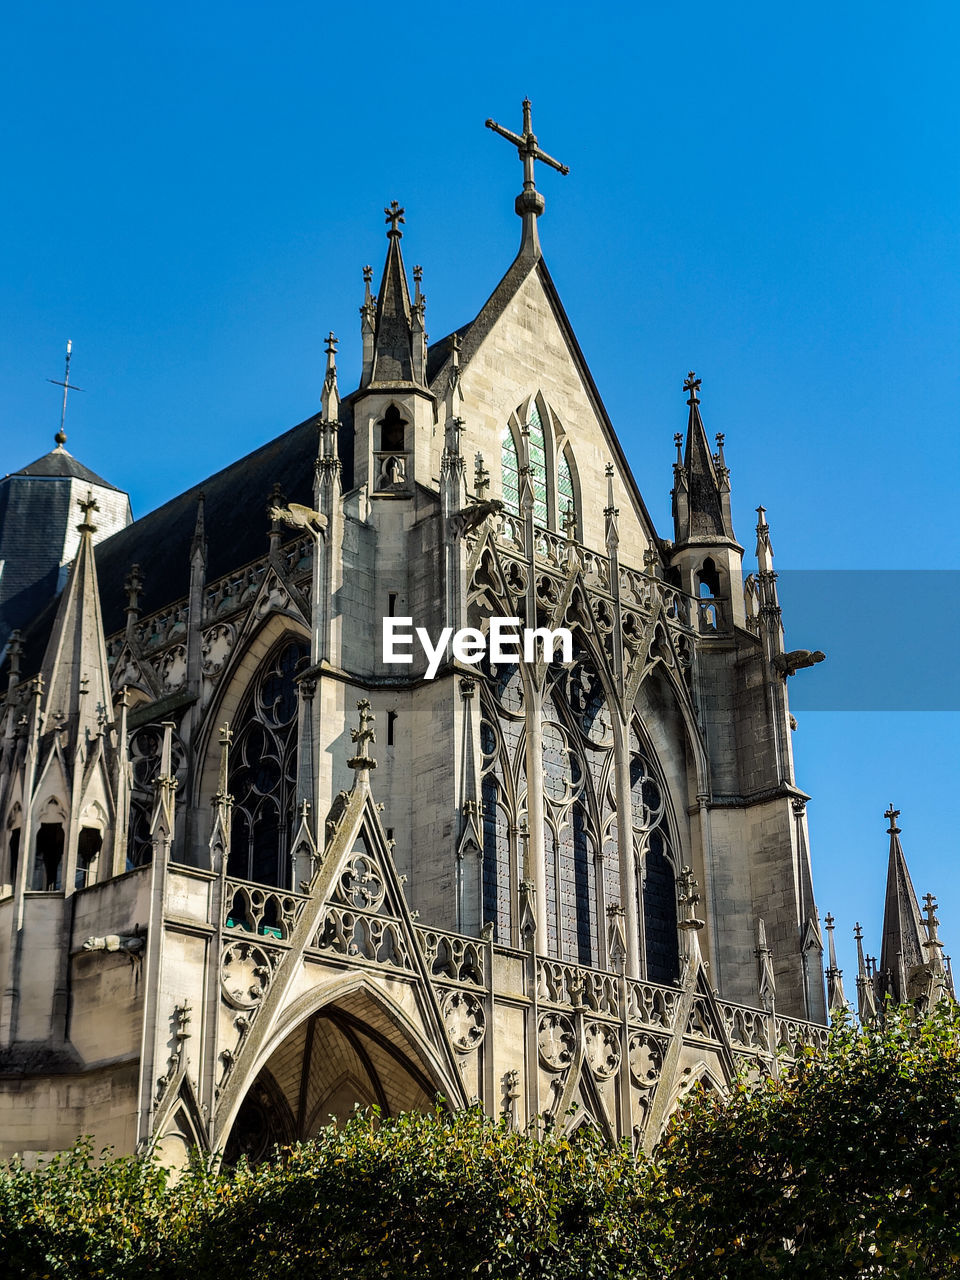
(828, 921)
(395, 218)
(60, 437)
(892, 814)
(331, 344)
(692, 384)
(368, 275)
(418, 274)
(87, 505)
(858, 932)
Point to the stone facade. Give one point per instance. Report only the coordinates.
(233, 904)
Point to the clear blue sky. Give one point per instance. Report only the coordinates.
(766, 194)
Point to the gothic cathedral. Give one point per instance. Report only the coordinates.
(252, 874)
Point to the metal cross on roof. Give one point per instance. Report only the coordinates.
(527, 148)
(60, 437)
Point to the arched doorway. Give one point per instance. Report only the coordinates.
(348, 1053)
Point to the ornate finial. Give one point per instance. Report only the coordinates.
(858, 932)
(930, 911)
(418, 274)
(692, 384)
(87, 505)
(133, 585)
(330, 346)
(481, 477)
(529, 204)
(395, 218)
(60, 437)
(892, 814)
(688, 899)
(828, 922)
(570, 521)
(368, 274)
(362, 736)
(14, 653)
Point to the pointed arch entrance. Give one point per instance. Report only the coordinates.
(347, 1053)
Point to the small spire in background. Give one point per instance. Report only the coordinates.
(61, 437)
(836, 1000)
(330, 396)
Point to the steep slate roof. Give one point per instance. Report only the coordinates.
(58, 463)
(235, 502)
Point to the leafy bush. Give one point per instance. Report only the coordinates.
(847, 1165)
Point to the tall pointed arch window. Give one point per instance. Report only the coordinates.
(653, 843)
(503, 795)
(263, 770)
(510, 471)
(537, 450)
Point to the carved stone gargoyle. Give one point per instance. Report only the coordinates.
(473, 516)
(787, 664)
(131, 943)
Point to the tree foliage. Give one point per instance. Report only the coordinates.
(847, 1164)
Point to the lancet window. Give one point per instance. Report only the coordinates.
(263, 769)
(510, 471)
(503, 796)
(536, 450)
(656, 854)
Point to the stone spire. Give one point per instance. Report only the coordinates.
(866, 986)
(836, 1000)
(75, 672)
(902, 949)
(392, 350)
(700, 482)
(330, 396)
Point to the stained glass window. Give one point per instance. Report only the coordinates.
(652, 836)
(537, 449)
(263, 769)
(510, 469)
(502, 796)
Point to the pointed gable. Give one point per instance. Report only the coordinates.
(522, 343)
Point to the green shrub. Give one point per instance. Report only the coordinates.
(846, 1165)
